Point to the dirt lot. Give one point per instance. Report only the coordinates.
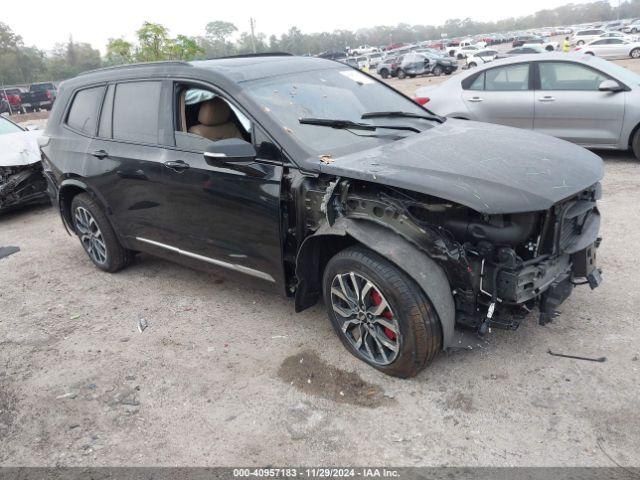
(227, 375)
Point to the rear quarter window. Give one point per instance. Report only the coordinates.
(83, 113)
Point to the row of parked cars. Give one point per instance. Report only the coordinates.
(37, 96)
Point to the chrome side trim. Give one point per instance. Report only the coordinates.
(219, 263)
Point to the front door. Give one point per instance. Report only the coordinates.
(224, 214)
(570, 106)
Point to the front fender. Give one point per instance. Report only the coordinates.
(414, 262)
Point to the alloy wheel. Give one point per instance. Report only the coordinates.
(90, 235)
(365, 317)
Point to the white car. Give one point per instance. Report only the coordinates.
(624, 36)
(632, 28)
(462, 52)
(363, 49)
(585, 36)
(611, 48)
(481, 57)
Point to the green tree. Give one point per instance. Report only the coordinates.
(216, 42)
(153, 42)
(183, 48)
(119, 51)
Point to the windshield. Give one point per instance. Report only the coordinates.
(41, 87)
(8, 127)
(343, 94)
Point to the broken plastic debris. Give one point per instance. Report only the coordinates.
(280, 336)
(326, 159)
(75, 316)
(142, 325)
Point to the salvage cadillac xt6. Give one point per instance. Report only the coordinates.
(324, 183)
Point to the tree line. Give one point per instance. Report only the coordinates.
(25, 64)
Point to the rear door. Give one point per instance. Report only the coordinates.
(128, 153)
(570, 106)
(501, 95)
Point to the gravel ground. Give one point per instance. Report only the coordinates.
(225, 374)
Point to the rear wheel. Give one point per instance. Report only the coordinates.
(473, 65)
(380, 314)
(384, 73)
(580, 42)
(635, 53)
(96, 234)
(401, 74)
(437, 70)
(549, 48)
(635, 144)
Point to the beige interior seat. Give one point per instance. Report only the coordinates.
(215, 122)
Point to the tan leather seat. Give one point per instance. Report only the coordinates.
(215, 121)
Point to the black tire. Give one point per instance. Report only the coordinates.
(473, 65)
(460, 56)
(420, 332)
(635, 53)
(384, 73)
(401, 74)
(580, 42)
(412, 76)
(549, 48)
(635, 144)
(590, 53)
(116, 256)
(437, 70)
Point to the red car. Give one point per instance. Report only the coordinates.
(12, 95)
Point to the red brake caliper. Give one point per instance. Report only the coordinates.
(376, 298)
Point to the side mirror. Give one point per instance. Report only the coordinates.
(610, 86)
(229, 150)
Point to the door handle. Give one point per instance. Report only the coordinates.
(99, 154)
(547, 98)
(475, 99)
(177, 165)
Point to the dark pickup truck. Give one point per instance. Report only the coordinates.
(39, 96)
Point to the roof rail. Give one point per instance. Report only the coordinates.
(137, 65)
(249, 55)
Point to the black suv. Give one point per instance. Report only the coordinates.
(322, 182)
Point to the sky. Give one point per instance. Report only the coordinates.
(95, 22)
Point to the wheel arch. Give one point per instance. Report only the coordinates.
(318, 248)
(69, 189)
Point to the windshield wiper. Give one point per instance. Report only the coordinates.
(398, 114)
(349, 125)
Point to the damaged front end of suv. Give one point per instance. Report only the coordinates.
(509, 235)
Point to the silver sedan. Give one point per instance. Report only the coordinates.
(611, 47)
(580, 98)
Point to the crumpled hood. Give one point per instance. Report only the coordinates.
(20, 148)
(489, 168)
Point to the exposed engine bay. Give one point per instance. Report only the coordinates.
(499, 266)
(21, 185)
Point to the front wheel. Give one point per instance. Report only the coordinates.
(473, 65)
(580, 42)
(635, 53)
(379, 313)
(384, 73)
(96, 234)
(437, 70)
(401, 74)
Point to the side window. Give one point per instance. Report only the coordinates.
(600, 42)
(84, 110)
(569, 76)
(136, 111)
(510, 78)
(202, 116)
(104, 130)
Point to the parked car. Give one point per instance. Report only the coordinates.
(363, 49)
(584, 36)
(546, 44)
(439, 63)
(389, 67)
(462, 52)
(520, 40)
(39, 96)
(4, 105)
(481, 57)
(623, 36)
(579, 98)
(529, 49)
(632, 28)
(611, 48)
(410, 230)
(12, 97)
(21, 178)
